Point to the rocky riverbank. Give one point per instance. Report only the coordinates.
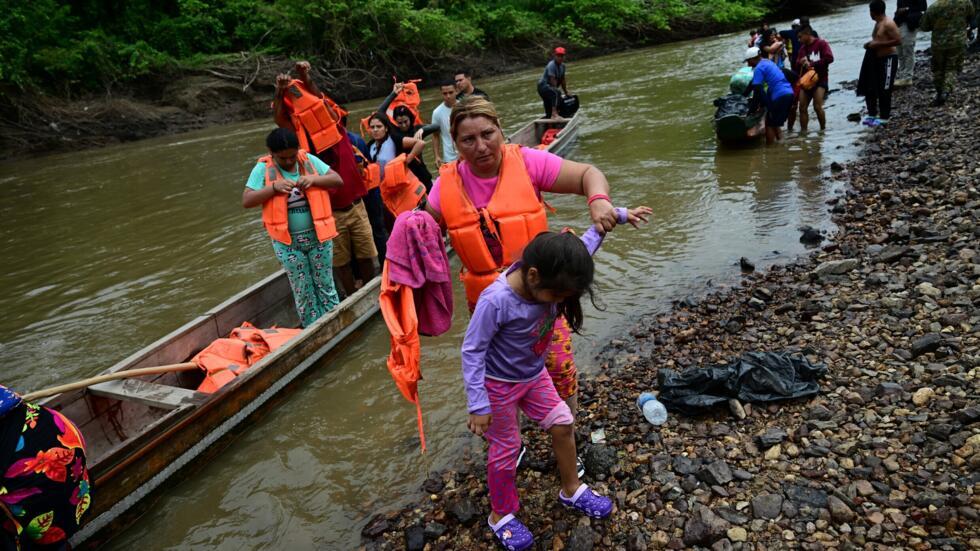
(886, 456)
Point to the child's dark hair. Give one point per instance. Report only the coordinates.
(280, 139)
(564, 265)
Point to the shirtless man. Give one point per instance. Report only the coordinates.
(885, 39)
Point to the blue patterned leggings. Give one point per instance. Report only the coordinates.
(309, 265)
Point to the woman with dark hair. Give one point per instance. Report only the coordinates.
(490, 201)
(774, 48)
(388, 142)
(291, 186)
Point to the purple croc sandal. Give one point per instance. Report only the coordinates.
(512, 534)
(587, 501)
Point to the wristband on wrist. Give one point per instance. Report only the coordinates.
(597, 196)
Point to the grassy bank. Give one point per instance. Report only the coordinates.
(89, 73)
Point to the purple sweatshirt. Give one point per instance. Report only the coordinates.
(508, 335)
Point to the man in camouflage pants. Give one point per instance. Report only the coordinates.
(948, 20)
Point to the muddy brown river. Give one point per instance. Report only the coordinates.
(105, 251)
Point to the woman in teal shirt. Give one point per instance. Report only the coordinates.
(305, 251)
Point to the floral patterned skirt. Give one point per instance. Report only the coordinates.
(559, 360)
(44, 485)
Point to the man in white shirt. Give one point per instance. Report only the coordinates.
(445, 151)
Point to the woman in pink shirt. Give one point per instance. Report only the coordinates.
(479, 139)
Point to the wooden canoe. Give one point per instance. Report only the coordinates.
(530, 134)
(141, 432)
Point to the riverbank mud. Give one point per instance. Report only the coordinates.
(886, 456)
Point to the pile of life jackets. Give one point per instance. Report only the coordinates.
(549, 136)
(225, 359)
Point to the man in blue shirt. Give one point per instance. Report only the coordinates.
(777, 95)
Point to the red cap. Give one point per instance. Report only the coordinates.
(559, 51)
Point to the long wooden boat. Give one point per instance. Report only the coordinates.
(530, 134)
(141, 432)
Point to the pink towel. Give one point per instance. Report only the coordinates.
(417, 258)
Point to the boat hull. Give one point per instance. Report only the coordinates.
(530, 134)
(130, 473)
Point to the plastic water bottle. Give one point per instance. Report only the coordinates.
(653, 410)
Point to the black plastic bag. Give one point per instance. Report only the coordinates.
(732, 104)
(752, 377)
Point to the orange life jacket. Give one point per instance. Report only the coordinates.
(225, 359)
(514, 216)
(397, 303)
(370, 172)
(549, 136)
(401, 190)
(274, 211)
(409, 97)
(311, 116)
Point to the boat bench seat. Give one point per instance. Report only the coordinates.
(147, 393)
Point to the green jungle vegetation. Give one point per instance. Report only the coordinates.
(71, 48)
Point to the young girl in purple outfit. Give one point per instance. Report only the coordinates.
(503, 369)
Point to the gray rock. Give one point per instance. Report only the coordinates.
(771, 437)
(704, 528)
(888, 389)
(839, 511)
(893, 253)
(433, 530)
(685, 465)
(742, 475)
(804, 495)
(810, 236)
(375, 527)
(716, 472)
(581, 539)
(637, 541)
(433, 485)
(819, 413)
(836, 267)
(926, 343)
(600, 459)
(464, 511)
(767, 506)
(415, 538)
(731, 515)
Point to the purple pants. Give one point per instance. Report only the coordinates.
(539, 400)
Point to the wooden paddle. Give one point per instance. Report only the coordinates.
(44, 393)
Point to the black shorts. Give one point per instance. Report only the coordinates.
(778, 110)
